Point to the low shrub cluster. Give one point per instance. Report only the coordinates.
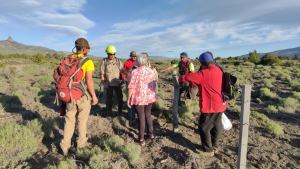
(267, 93)
(271, 126)
(19, 142)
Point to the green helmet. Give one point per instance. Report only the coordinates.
(111, 49)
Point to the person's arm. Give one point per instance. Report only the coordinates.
(102, 69)
(194, 78)
(191, 67)
(90, 87)
(132, 80)
(172, 67)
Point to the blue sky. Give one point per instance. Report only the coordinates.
(159, 27)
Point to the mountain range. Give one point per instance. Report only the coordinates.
(9, 46)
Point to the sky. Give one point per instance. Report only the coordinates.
(159, 27)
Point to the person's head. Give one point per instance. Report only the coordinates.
(82, 46)
(133, 55)
(206, 58)
(143, 59)
(111, 52)
(184, 56)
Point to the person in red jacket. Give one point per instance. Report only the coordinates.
(209, 81)
(129, 65)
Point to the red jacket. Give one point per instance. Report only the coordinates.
(209, 82)
(129, 63)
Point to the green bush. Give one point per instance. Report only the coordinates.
(87, 153)
(270, 59)
(69, 163)
(98, 161)
(272, 109)
(268, 83)
(290, 105)
(39, 58)
(271, 126)
(267, 93)
(18, 142)
(254, 57)
(114, 143)
(296, 95)
(132, 152)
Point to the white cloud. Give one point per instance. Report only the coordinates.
(59, 15)
(194, 36)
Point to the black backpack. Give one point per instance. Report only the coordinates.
(229, 87)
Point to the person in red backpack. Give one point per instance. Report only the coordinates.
(209, 81)
(79, 109)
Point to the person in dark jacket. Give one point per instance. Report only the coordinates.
(209, 81)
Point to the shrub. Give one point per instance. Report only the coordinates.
(271, 126)
(132, 152)
(98, 161)
(296, 95)
(267, 93)
(290, 105)
(39, 58)
(17, 143)
(270, 59)
(64, 164)
(254, 57)
(268, 83)
(114, 143)
(272, 109)
(87, 153)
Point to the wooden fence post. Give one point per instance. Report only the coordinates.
(244, 126)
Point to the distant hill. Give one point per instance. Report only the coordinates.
(10, 46)
(292, 52)
(288, 52)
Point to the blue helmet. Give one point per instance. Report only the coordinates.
(182, 54)
(206, 57)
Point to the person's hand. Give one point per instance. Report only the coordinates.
(94, 100)
(128, 103)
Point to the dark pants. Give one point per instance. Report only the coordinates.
(144, 110)
(210, 128)
(132, 114)
(109, 98)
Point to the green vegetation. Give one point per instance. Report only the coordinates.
(271, 126)
(268, 83)
(270, 59)
(254, 57)
(132, 152)
(267, 93)
(290, 105)
(18, 142)
(69, 163)
(114, 143)
(272, 109)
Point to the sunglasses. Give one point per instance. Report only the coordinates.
(111, 54)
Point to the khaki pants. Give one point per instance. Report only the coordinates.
(79, 109)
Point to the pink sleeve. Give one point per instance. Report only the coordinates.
(132, 80)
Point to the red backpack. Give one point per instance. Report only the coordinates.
(68, 79)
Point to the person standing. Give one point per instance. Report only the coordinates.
(129, 65)
(209, 81)
(79, 109)
(142, 94)
(184, 66)
(110, 74)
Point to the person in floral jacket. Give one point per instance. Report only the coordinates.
(142, 94)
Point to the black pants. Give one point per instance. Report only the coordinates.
(144, 110)
(109, 98)
(210, 128)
